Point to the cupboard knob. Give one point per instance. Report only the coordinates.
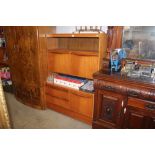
(108, 111)
(122, 103)
(124, 110)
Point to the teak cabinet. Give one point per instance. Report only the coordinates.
(71, 102)
(26, 48)
(122, 102)
(78, 55)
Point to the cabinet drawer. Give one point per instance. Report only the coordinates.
(57, 92)
(146, 107)
(57, 101)
(82, 103)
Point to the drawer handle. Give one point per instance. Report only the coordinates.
(150, 107)
(108, 88)
(132, 93)
(122, 103)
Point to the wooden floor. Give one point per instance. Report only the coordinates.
(24, 117)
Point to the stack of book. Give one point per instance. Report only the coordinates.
(88, 86)
(69, 81)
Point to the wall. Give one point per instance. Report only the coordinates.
(70, 29)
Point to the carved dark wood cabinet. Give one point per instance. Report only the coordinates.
(123, 102)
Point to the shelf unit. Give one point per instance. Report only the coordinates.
(77, 55)
(2, 49)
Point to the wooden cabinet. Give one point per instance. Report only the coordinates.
(26, 47)
(108, 109)
(122, 102)
(74, 103)
(140, 114)
(78, 55)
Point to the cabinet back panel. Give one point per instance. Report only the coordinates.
(83, 44)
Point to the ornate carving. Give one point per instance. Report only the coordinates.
(135, 90)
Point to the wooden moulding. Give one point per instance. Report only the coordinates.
(75, 52)
(93, 35)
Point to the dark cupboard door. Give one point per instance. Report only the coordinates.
(108, 109)
(135, 120)
(140, 114)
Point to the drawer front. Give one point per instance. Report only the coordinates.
(146, 107)
(57, 101)
(57, 92)
(82, 104)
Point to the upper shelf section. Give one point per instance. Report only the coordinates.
(74, 52)
(84, 35)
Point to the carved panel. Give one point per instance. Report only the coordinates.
(126, 89)
(108, 109)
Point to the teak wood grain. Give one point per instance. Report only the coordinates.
(72, 102)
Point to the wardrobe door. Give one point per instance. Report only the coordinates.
(22, 44)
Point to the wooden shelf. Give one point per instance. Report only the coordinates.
(85, 35)
(76, 52)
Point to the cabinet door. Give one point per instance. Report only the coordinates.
(108, 109)
(22, 46)
(83, 65)
(26, 38)
(59, 62)
(151, 123)
(134, 119)
(138, 114)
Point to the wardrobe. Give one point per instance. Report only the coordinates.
(26, 51)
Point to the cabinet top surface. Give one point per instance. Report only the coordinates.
(86, 35)
(116, 77)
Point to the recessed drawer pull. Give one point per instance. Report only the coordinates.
(122, 103)
(150, 107)
(124, 110)
(132, 93)
(108, 88)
